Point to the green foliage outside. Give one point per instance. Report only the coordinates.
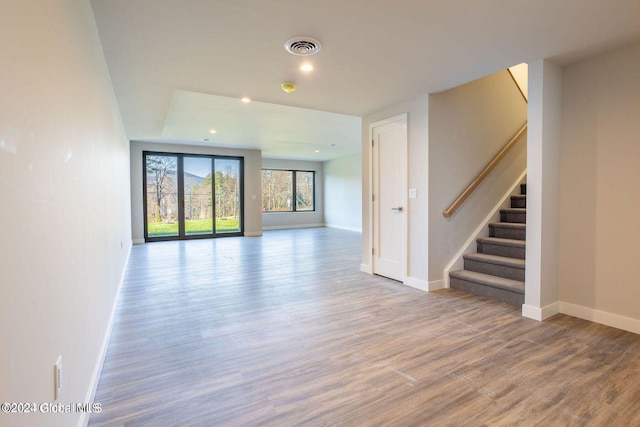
(196, 226)
(279, 194)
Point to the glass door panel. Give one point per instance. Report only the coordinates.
(162, 195)
(198, 206)
(227, 191)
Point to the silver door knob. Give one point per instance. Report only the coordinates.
(399, 209)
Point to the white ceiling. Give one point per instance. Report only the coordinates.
(281, 131)
(179, 68)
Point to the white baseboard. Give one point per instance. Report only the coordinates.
(531, 312)
(97, 370)
(344, 227)
(138, 241)
(366, 268)
(591, 314)
(253, 234)
(550, 310)
(540, 313)
(288, 227)
(603, 317)
(423, 285)
(438, 284)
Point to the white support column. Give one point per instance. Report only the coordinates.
(543, 153)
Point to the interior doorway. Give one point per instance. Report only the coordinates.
(389, 197)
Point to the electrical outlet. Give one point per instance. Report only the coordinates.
(57, 378)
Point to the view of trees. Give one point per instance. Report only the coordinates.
(162, 195)
(279, 191)
(227, 191)
(198, 196)
(304, 191)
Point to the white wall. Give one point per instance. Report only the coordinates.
(64, 181)
(278, 220)
(252, 182)
(600, 171)
(343, 193)
(545, 110)
(469, 125)
(417, 227)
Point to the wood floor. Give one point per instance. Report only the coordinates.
(284, 330)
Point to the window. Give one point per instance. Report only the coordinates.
(288, 190)
(192, 196)
(304, 191)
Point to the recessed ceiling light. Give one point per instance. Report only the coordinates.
(317, 151)
(306, 67)
(246, 100)
(212, 131)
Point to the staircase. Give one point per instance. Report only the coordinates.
(497, 270)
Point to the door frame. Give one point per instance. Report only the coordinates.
(403, 120)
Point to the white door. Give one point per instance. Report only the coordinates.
(389, 207)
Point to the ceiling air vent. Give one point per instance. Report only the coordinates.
(303, 46)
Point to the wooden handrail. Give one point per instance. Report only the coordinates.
(467, 192)
(518, 86)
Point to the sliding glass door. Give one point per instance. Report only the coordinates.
(227, 188)
(161, 196)
(198, 196)
(192, 196)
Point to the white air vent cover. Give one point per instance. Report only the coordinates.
(303, 46)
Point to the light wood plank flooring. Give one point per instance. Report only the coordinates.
(284, 330)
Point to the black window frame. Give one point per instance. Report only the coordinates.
(293, 191)
(182, 235)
